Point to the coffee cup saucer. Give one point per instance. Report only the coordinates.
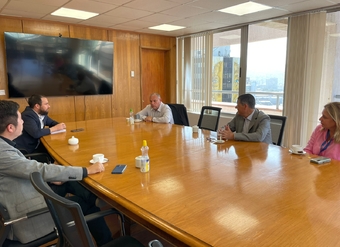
(105, 160)
(138, 120)
(299, 152)
(219, 141)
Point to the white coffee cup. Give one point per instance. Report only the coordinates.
(138, 161)
(98, 158)
(297, 148)
(195, 128)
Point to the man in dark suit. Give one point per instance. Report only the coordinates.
(249, 124)
(35, 119)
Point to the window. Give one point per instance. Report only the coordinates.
(330, 90)
(266, 62)
(209, 67)
(225, 69)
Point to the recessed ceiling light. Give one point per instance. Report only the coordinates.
(245, 8)
(73, 13)
(166, 27)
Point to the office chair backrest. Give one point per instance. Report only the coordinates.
(179, 113)
(67, 216)
(209, 118)
(277, 126)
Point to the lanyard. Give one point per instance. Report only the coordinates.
(325, 144)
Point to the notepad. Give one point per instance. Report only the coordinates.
(58, 131)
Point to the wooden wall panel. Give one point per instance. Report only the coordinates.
(6, 25)
(97, 107)
(172, 94)
(62, 108)
(127, 89)
(93, 33)
(45, 27)
(155, 41)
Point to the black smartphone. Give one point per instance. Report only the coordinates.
(119, 169)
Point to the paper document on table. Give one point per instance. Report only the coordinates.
(58, 131)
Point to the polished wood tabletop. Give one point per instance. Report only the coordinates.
(198, 193)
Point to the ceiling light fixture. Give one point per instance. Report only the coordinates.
(73, 13)
(245, 8)
(166, 27)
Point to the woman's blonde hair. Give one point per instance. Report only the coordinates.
(333, 110)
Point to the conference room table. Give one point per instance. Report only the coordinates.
(200, 193)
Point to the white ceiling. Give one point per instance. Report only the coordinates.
(138, 15)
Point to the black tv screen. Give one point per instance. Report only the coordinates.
(57, 66)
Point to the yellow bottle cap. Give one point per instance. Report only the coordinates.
(144, 143)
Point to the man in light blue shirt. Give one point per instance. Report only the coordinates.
(157, 111)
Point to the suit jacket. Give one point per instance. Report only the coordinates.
(19, 196)
(30, 138)
(179, 113)
(259, 128)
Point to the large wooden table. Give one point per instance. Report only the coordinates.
(202, 194)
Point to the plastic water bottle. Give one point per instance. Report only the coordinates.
(145, 162)
(132, 119)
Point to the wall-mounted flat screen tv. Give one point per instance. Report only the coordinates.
(57, 66)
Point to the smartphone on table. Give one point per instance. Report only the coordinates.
(320, 160)
(119, 169)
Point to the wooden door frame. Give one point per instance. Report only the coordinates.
(167, 72)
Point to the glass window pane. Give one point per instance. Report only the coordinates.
(330, 90)
(225, 69)
(266, 60)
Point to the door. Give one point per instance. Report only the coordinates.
(154, 74)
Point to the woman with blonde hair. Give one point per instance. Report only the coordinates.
(325, 140)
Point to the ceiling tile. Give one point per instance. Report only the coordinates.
(115, 2)
(211, 4)
(91, 6)
(30, 7)
(160, 18)
(153, 5)
(20, 13)
(128, 13)
(140, 24)
(311, 4)
(181, 1)
(185, 11)
(61, 19)
(105, 20)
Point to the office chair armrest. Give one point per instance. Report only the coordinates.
(40, 157)
(100, 214)
(27, 216)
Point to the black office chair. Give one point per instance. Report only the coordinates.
(70, 221)
(41, 157)
(5, 227)
(277, 126)
(209, 118)
(179, 113)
